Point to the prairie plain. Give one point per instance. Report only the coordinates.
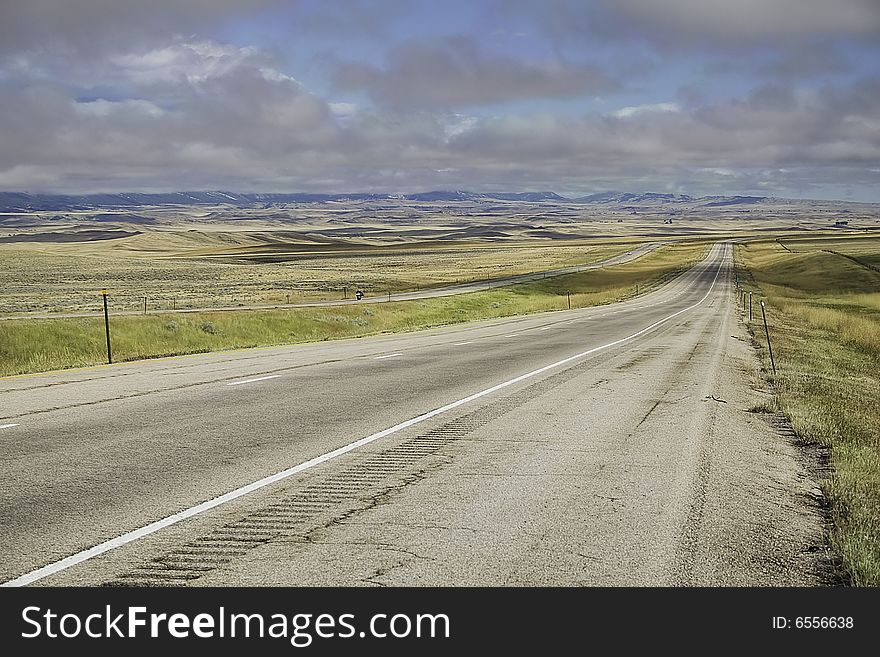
(180, 256)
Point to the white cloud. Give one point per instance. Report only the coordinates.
(343, 110)
(193, 62)
(457, 124)
(626, 112)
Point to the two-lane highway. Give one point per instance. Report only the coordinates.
(573, 447)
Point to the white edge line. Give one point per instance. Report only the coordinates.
(259, 378)
(153, 527)
(8, 426)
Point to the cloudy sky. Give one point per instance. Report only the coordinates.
(770, 97)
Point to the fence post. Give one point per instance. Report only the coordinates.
(145, 305)
(107, 327)
(767, 331)
(750, 307)
(568, 294)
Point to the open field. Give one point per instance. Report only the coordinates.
(823, 297)
(37, 277)
(39, 345)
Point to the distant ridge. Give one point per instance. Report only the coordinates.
(736, 200)
(25, 202)
(21, 201)
(625, 197)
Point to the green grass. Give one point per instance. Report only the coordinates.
(40, 345)
(824, 318)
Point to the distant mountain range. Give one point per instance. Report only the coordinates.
(24, 202)
(20, 201)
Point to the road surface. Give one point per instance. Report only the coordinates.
(601, 446)
(444, 291)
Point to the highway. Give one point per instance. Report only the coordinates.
(601, 446)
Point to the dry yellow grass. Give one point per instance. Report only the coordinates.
(824, 317)
(194, 270)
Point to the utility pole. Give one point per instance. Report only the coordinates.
(767, 332)
(107, 327)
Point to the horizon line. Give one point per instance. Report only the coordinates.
(403, 195)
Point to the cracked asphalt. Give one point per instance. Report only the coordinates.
(635, 463)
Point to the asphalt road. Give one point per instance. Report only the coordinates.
(608, 445)
(444, 291)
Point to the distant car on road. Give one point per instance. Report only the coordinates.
(358, 295)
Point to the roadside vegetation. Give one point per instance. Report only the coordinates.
(34, 345)
(823, 310)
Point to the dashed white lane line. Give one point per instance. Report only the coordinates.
(545, 328)
(259, 378)
(511, 335)
(461, 344)
(106, 546)
(387, 356)
(8, 426)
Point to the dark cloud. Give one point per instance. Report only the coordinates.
(92, 25)
(454, 72)
(716, 24)
(773, 127)
(807, 62)
(749, 21)
(797, 63)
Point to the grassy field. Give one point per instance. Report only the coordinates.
(823, 298)
(39, 345)
(193, 269)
